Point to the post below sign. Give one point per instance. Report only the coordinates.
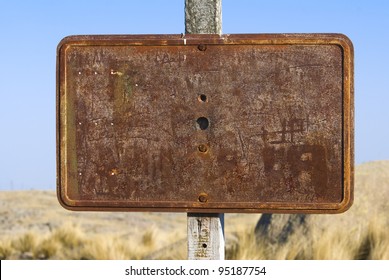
(205, 123)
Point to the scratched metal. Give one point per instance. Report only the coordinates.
(206, 123)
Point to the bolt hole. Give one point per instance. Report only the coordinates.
(205, 245)
(203, 98)
(202, 148)
(203, 123)
(203, 198)
(202, 47)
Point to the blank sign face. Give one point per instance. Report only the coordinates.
(205, 123)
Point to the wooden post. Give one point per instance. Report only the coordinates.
(203, 17)
(205, 236)
(205, 231)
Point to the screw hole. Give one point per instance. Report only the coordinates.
(203, 98)
(202, 148)
(203, 198)
(202, 47)
(203, 123)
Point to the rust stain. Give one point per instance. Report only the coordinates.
(258, 123)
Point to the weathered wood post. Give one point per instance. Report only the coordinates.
(205, 231)
(203, 17)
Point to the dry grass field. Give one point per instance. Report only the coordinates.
(34, 226)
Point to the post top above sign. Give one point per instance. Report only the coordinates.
(206, 123)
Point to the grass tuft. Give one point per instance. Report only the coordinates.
(148, 238)
(25, 244)
(374, 243)
(47, 249)
(69, 236)
(5, 249)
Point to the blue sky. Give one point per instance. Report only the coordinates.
(31, 30)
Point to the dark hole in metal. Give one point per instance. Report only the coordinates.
(203, 198)
(203, 123)
(202, 47)
(203, 98)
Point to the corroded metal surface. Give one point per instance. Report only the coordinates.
(205, 123)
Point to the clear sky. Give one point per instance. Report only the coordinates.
(31, 30)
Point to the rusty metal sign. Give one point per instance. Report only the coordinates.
(205, 123)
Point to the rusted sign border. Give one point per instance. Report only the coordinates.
(63, 149)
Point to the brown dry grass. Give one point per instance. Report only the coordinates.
(368, 243)
(70, 242)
